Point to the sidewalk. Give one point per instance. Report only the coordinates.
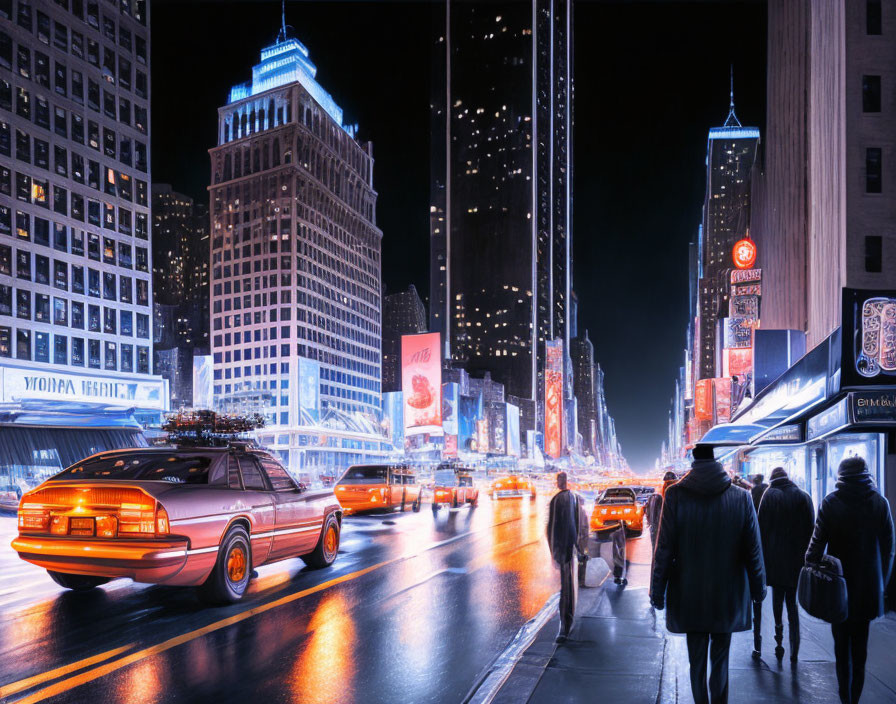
(619, 650)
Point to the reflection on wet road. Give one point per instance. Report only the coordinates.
(415, 608)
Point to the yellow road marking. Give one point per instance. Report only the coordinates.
(103, 670)
(109, 667)
(30, 682)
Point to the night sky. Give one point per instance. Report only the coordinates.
(650, 80)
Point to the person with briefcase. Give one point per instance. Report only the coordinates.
(855, 525)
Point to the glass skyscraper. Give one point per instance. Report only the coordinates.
(501, 207)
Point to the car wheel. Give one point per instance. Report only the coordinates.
(327, 547)
(230, 576)
(77, 582)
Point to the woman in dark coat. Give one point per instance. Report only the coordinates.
(855, 525)
(786, 520)
(708, 568)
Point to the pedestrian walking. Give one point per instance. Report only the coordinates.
(786, 520)
(759, 487)
(564, 540)
(707, 568)
(619, 566)
(655, 507)
(855, 525)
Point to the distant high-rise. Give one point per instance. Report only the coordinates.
(403, 314)
(501, 207)
(295, 254)
(731, 153)
(585, 387)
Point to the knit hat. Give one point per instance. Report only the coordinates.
(852, 465)
(703, 452)
(779, 472)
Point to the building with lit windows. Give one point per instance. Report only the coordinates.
(501, 206)
(75, 260)
(295, 264)
(403, 314)
(731, 153)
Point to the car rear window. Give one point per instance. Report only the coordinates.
(618, 496)
(177, 469)
(369, 474)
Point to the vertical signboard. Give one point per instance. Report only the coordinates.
(482, 435)
(309, 387)
(202, 381)
(703, 400)
(393, 417)
(421, 383)
(450, 396)
(723, 399)
(553, 398)
(513, 430)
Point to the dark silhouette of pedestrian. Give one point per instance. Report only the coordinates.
(654, 509)
(708, 569)
(759, 487)
(855, 525)
(786, 520)
(618, 538)
(564, 539)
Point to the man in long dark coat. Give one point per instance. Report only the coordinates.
(654, 508)
(786, 520)
(708, 568)
(855, 525)
(564, 540)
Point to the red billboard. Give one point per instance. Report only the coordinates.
(553, 398)
(723, 399)
(703, 405)
(738, 362)
(421, 383)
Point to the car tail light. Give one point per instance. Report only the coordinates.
(106, 512)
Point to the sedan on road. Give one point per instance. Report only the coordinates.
(616, 505)
(378, 487)
(512, 486)
(201, 517)
(453, 487)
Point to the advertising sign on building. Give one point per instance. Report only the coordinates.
(739, 332)
(309, 387)
(703, 403)
(722, 399)
(469, 411)
(482, 435)
(742, 276)
(877, 337)
(393, 417)
(421, 383)
(450, 396)
(737, 362)
(553, 398)
(203, 374)
(496, 413)
(513, 430)
(746, 306)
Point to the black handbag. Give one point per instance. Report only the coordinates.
(822, 590)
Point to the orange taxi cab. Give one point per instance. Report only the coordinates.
(618, 504)
(378, 487)
(512, 486)
(453, 487)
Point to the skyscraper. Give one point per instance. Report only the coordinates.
(403, 314)
(731, 153)
(75, 261)
(585, 380)
(295, 252)
(501, 206)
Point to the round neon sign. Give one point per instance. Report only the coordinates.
(744, 254)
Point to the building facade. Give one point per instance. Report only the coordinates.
(585, 388)
(731, 153)
(501, 209)
(295, 255)
(75, 259)
(403, 314)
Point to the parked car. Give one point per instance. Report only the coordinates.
(512, 486)
(617, 504)
(378, 487)
(201, 517)
(10, 495)
(453, 486)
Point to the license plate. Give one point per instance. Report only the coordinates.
(81, 526)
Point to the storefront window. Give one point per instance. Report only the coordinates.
(868, 446)
(792, 458)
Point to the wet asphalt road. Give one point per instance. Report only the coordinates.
(415, 609)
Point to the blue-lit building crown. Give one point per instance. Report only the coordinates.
(287, 61)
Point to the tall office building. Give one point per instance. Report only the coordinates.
(827, 200)
(75, 260)
(585, 388)
(501, 207)
(403, 314)
(731, 153)
(295, 252)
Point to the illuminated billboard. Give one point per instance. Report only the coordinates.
(421, 383)
(450, 396)
(553, 398)
(877, 337)
(482, 435)
(202, 381)
(737, 362)
(722, 399)
(513, 430)
(703, 404)
(738, 332)
(309, 387)
(744, 254)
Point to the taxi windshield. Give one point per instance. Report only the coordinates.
(444, 477)
(617, 496)
(177, 469)
(372, 474)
